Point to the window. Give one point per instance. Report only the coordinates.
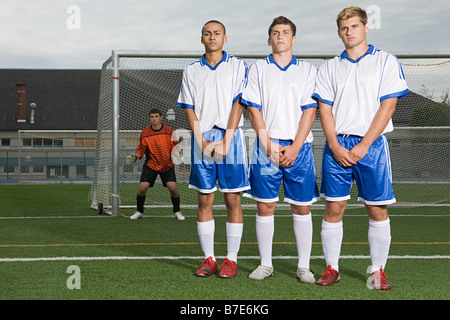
(8, 169)
(47, 142)
(5, 142)
(42, 142)
(84, 142)
(38, 169)
(25, 169)
(27, 142)
(89, 142)
(130, 142)
(37, 142)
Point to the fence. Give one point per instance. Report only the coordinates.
(48, 157)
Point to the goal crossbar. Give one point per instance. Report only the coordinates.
(114, 60)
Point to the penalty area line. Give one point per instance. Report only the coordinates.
(198, 258)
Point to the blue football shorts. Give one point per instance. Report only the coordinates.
(372, 174)
(230, 173)
(299, 180)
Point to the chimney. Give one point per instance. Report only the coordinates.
(21, 102)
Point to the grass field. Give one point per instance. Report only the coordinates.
(44, 229)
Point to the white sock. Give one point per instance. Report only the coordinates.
(234, 235)
(331, 235)
(206, 234)
(379, 242)
(265, 227)
(303, 231)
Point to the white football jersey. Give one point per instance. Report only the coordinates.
(281, 94)
(355, 89)
(212, 91)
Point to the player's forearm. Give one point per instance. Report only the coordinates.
(304, 127)
(328, 126)
(259, 125)
(233, 122)
(194, 125)
(379, 122)
(140, 151)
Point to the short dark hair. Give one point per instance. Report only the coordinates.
(282, 20)
(215, 21)
(155, 110)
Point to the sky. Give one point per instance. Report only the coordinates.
(81, 34)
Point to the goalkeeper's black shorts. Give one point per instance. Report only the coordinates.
(149, 175)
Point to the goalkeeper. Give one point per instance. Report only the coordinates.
(157, 143)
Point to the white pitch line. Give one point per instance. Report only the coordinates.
(198, 258)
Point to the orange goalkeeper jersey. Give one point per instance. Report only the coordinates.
(157, 145)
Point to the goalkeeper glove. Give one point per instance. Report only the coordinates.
(131, 159)
(176, 157)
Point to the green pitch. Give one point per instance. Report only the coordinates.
(45, 229)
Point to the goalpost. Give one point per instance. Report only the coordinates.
(133, 82)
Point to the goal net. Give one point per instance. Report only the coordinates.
(419, 145)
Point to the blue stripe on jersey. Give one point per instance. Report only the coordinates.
(185, 105)
(398, 95)
(381, 78)
(309, 106)
(244, 81)
(251, 104)
(317, 97)
(237, 97)
(400, 73)
(329, 79)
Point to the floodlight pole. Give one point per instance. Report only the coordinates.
(115, 135)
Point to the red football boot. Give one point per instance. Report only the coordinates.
(378, 281)
(329, 277)
(228, 269)
(207, 268)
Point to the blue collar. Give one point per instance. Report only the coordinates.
(369, 51)
(272, 60)
(224, 58)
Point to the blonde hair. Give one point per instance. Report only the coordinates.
(351, 12)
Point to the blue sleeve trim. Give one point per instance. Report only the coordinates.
(185, 105)
(309, 106)
(317, 97)
(237, 98)
(398, 95)
(251, 104)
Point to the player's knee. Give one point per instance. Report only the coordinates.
(232, 200)
(377, 213)
(173, 189)
(300, 210)
(205, 200)
(266, 209)
(334, 211)
(143, 187)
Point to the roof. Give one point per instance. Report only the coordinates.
(69, 100)
(65, 99)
